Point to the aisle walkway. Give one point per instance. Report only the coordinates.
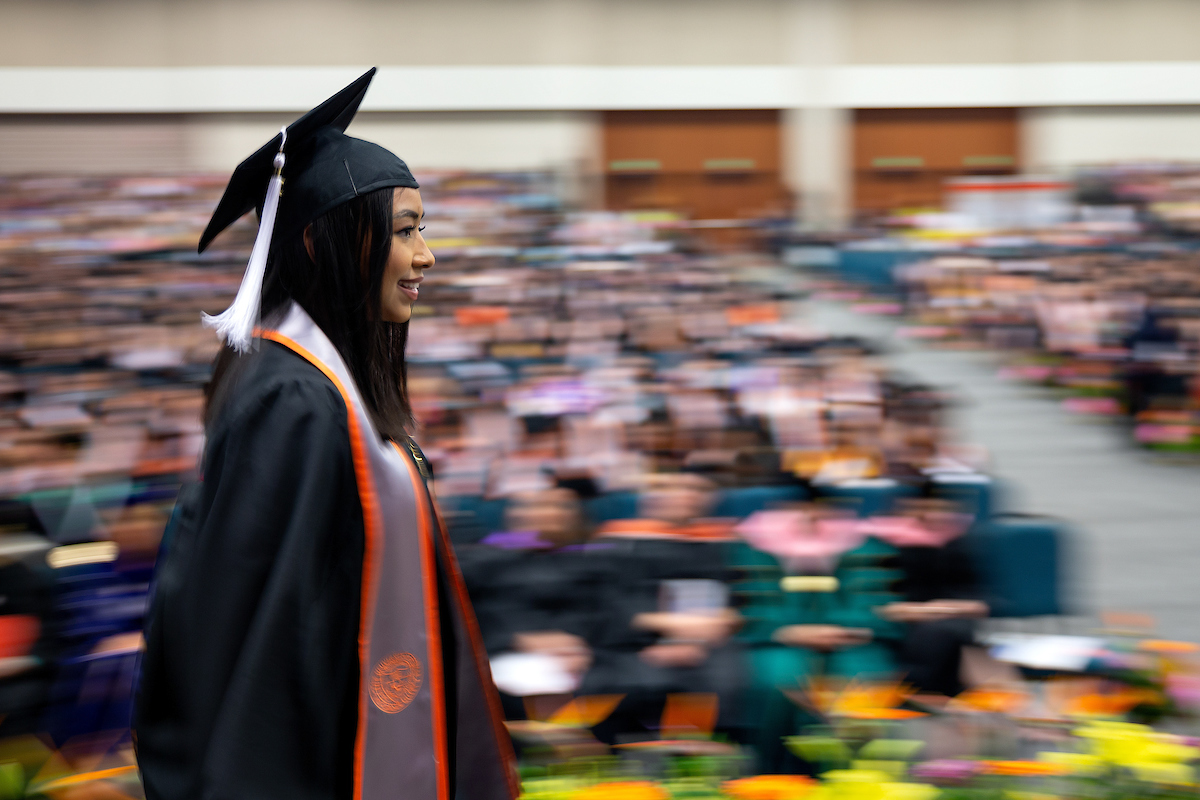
(1136, 516)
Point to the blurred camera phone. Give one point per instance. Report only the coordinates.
(692, 596)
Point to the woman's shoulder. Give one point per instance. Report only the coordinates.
(282, 424)
(284, 384)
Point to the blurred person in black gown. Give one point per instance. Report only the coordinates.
(667, 625)
(942, 598)
(1152, 375)
(538, 595)
(29, 640)
(309, 636)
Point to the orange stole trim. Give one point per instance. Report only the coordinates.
(657, 529)
(482, 666)
(637, 527)
(433, 630)
(366, 494)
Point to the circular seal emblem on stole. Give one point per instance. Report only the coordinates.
(395, 682)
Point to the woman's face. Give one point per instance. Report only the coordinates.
(410, 257)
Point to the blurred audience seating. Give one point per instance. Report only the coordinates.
(606, 402)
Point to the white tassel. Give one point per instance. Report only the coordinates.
(235, 325)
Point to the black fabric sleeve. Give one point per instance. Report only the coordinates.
(249, 684)
(939, 573)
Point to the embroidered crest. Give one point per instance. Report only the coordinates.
(395, 682)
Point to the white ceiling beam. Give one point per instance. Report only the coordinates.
(294, 89)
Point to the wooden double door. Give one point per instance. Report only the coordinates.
(728, 164)
(701, 164)
(902, 157)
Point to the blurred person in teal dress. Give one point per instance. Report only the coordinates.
(809, 585)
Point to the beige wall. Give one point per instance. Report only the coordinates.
(104, 143)
(1063, 139)
(1016, 31)
(598, 32)
(337, 32)
(489, 141)
(95, 144)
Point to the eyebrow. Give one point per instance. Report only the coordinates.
(407, 212)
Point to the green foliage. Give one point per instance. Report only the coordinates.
(892, 749)
(12, 781)
(826, 751)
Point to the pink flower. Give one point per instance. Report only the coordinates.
(946, 770)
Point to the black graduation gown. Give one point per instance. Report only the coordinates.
(519, 591)
(249, 685)
(931, 651)
(27, 588)
(636, 568)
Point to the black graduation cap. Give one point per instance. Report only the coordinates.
(307, 169)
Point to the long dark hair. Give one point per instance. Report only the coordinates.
(339, 287)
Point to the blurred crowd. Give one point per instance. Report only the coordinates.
(1118, 331)
(1100, 299)
(102, 367)
(661, 481)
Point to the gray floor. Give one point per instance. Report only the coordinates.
(1135, 516)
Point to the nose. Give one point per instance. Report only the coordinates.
(423, 257)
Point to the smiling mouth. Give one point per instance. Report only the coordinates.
(410, 288)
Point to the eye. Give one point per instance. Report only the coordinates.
(405, 232)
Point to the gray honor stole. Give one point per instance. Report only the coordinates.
(410, 585)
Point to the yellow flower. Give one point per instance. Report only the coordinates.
(909, 791)
(1126, 743)
(1164, 772)
(855, 784)
(1084, 764)
(866, 784)
(623, 790)
(548, 789)
(1166, 751)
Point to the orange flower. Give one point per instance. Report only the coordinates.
(769, 787)
(1112, 704)
(1024, 768)
(1167, 646)
(884, 713)
(859, 700)
(623, 790)
(996, 701)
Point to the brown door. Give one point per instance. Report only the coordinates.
(903, 156)
(701, 164)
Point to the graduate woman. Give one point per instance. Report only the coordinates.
(309, 636)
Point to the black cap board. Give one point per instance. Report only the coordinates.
(324, 168)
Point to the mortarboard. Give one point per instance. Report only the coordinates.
(321, 168)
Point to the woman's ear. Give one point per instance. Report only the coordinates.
(308, 242)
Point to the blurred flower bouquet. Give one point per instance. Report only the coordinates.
(864, 750)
